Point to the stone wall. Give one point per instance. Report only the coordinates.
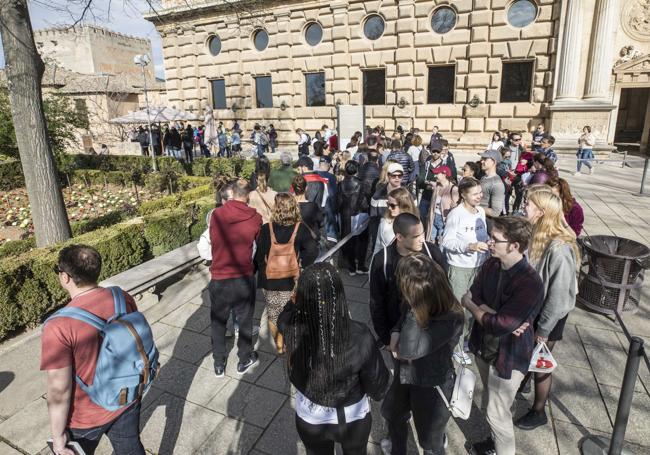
(481, 40)
(90, 49)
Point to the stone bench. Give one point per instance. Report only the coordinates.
(144, 277)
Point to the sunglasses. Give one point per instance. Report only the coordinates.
(398, 175)
(392, 206)
(56, 269)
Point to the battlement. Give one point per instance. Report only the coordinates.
(85, 29)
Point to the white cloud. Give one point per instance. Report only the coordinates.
(124, 16)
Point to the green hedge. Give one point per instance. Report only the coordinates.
(167, 230)
(29, 290)
(175, 200)
(11, 175)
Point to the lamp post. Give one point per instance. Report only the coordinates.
(142, 61)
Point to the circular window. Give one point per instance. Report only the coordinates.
(373, 27)
(214, 44)
(261, 39)
(522, 13)
(313, 33)
(443, 20)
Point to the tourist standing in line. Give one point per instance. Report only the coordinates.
(287, 226)
(303, 142)
(399, 201)
(188, 143)
(496, 143)
(422, 343)
(350, 205)
(585, 153)
(444, 198)
(515, 144)
(414, 150)
(547, 149)
(233, 229)
(494, 191)
(543, 170)
(573, 213)
(281, 178)
(504, 299)
(555, 255)
(464, 242)
(262, 198)
(434, 142)
(427, 182)
(394, 172)
(539, 134)
(447, 159)
(470, 169)
(385, 299)
(331, 224)
(70, 348)
(317, 186)
(398, 155)
(310, 212)
(334, 364)
(273, 138)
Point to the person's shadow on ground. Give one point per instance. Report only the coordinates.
(6, 378)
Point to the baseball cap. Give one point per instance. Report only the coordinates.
(395, 167)
(306, 162)
(442, 170)
(492, 154)
(285, 158)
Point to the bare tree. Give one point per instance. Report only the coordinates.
(24, 70)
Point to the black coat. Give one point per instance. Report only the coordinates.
(364, 372)
(350, 201)
(385, 300)
(425, 353)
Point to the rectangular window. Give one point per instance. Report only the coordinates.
(374, 87)
(263, 92)
(218, 93)
(516, 82)
(442, 83)
(81, 108)
(315, 83)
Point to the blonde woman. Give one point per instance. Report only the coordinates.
(262, 199)
(285, 219)
(445, 197)
(555, 255)
(399, 201)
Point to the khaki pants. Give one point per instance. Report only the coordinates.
(501, 395)
(461, 279)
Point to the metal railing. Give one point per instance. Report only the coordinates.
(325, 256)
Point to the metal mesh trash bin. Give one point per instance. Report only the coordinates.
(612, 272)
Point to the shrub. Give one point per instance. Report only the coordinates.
(106, 220)
(189, 181)
(200, 211)
(17, 247)
(29, 289)
(175, 200)
(167, 230)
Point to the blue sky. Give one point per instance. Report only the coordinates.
(124, 16)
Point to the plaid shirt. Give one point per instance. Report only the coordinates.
(522, 294)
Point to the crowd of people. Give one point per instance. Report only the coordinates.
(476, 264)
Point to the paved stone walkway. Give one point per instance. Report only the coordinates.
(189, 410)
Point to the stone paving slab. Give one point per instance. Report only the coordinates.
(6, 449)
(29, 428)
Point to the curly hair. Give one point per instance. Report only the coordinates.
(286, 211)
(550, 226)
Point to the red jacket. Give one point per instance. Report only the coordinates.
(233, 229)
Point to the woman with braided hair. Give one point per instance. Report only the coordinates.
(334, 364)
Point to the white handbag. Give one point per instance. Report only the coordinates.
(460, 404)
(204, 245)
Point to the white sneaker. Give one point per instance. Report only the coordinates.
(462, 358)
(591, 171)
(386, 446)
(445, 441)
(577, 173)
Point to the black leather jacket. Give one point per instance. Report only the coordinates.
(349, 197)
(364, 372)
(425, 353)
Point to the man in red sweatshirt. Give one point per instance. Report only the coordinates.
(233, 229)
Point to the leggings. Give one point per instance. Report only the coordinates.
(320, 439)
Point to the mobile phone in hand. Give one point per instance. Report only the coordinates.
(74, 446)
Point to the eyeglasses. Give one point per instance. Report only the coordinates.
(493, 240)
(516, 139)
(392, 206)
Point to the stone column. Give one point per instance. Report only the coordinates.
(601, 53)
(569, 67)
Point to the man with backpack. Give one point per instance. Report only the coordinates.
(82, 371)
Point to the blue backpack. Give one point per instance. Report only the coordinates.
(128, 359)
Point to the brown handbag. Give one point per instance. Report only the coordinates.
(282, 261)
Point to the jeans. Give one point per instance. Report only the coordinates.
(501, 395)
(260, 150)
(331, 225)
(424, 206)
(430, 414)
(438, 227)
(320, 439)
(189, 153)
(123, 432)
(587, 155)
(237, 294)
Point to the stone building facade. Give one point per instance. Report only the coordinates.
(469, 67)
